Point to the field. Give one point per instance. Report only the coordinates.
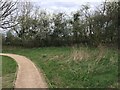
(69, 67)
(9, 68)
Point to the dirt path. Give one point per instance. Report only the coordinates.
(28, 75)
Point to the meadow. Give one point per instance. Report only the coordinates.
(9, 68)
(70, 67)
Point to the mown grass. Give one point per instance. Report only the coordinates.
(9, 67)
(67, 67)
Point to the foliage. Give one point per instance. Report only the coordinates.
(38, 28)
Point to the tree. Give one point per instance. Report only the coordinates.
(42, 37)
(59, 28)
(7, 8)
(106, 30)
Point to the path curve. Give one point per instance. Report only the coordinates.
(28, 75)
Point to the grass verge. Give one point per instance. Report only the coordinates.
(67, 67)
(9, 68)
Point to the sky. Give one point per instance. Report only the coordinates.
(67, 6)
(64, 5)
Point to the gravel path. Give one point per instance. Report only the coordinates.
(28, 75)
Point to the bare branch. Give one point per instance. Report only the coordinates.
(6, 9)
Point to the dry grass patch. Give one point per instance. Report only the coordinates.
(101, 53)
(57, 57)
(7, 80)
(80, 55)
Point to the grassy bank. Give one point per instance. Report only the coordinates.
(9, 67)
(74, 67)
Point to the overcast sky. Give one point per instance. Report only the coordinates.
(64, 5)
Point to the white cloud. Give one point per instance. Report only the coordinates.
(64, 0)
(61, 5)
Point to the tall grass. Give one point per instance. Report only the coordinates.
(69, 67)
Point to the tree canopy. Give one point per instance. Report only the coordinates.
(34, 27)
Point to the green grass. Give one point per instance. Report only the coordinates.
(68, 67)
(9, 67)
(0, 72)
(0, 66)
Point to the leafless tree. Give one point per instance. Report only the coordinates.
(7, 10)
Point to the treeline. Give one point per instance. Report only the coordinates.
(34, 27)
